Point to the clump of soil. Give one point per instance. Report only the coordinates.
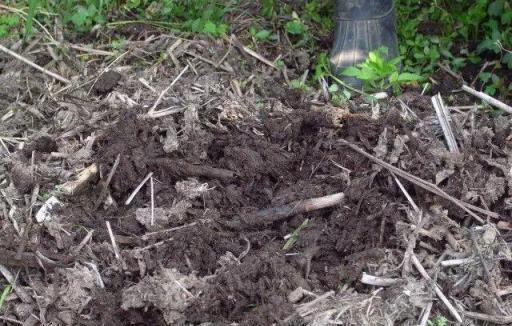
(106, 82)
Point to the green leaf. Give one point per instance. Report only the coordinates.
(3, 30)
(491, 90)
(296, 84)
(5, 293)
(485, 76)
(506, 18)
(488, 45)
(294, 237)
(507, 59)
(81, 17)
(32, 6)
(496, 8)
(351, 72)
(262, 35)
(408, 77)
(295, 27)
(334, 88)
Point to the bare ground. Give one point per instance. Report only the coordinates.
(229, 139)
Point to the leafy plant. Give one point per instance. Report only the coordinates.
(7, 23)
(294, 236)
(296, 26)
(378, 74)
(438, 321)
(259, 34)
(32, 6)
(458, 32)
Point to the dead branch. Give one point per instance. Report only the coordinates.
(491, 100)
(468, 208)
(379, 281)
(436, 288)
(33, 65)
(500, 320)
(444, 119)
(275, 214)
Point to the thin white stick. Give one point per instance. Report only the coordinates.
(259, 57)
(426, 314)
(146, 84)
(406, 194)
(129, 200)
(99, 280)
(491, 100)
(161, 96)
(152, 200)
(436, 288)
(113, 240)
(33, 65)
(91, 51)
(457, 262)
(379, 281)
(443, 115)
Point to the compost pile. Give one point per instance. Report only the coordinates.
(138, 194)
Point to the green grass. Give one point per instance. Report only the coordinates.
(80, 16)
(458, 33)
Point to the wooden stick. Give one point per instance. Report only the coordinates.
(160, 97)
(424, 184)
(113, 241)
(152, 186)
(137, 189)
(443, 115)
(275, 214)
(379, 281)
(500, 320)
(33, 65)
(491, 100)
(426, 314)
(436, 288)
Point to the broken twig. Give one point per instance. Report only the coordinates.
(136, 191)
(491, 100)
(499, 320)
(468, 208)
(379, 281)
(33, 65)
(161, 96)
(444, 119)
(436, 288)
(275, 214)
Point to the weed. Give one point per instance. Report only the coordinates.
(322, 66)
(457, 32)
(259, 34)
(298, 29)
(438, 321)
(32, 6)
(294, 236)
(338, 96)
(197, 16)
(378, 74)
(7, 290)
(7, 24)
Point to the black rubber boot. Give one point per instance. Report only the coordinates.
(362, 26)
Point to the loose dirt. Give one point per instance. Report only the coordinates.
(236, 143)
